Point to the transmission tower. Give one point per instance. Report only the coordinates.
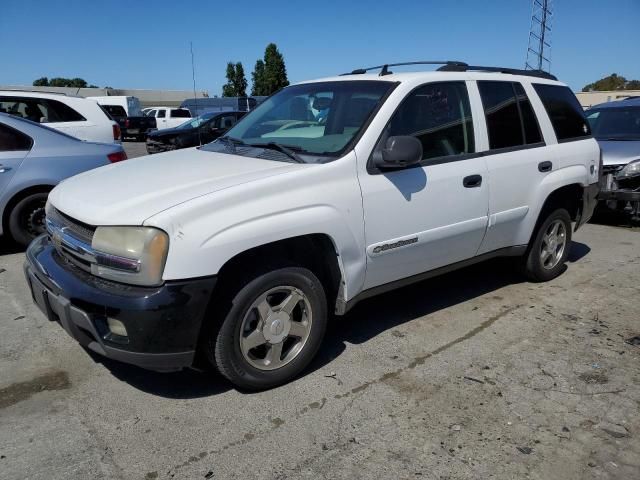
(539, 48)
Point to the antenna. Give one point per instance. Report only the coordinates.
(195, 97)
(539, 48)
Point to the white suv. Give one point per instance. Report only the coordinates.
(76, 116)
(327, 193)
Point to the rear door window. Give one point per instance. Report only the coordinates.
(180, 113)
(12, 140)
(511, 121)
(564, 110)
(40, 110)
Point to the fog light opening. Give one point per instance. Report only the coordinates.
(116, 327)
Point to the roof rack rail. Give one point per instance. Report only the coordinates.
(384, 69)
(31, 90)
(512, 71)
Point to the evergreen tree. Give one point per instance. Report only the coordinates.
(236, 85)
(257, 79)
(275, 71)
(240, 81)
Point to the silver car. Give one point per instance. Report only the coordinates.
(616, 126)
(34, 159)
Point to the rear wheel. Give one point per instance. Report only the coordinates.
(549, 249)
(26, 220)
(272, 330)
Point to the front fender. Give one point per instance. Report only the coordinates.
(205, 233)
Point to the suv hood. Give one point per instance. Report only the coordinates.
(129, 192)
(619, 152)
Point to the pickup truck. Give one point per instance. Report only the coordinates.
(131, 127)
(168, 117)
(330, 192)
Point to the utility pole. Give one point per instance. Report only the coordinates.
(539, 48)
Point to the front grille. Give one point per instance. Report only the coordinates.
(80, 230)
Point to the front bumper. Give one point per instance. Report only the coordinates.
(163, 323)
(621, 195)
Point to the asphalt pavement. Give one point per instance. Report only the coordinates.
(476, 374)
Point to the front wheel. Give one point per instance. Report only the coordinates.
(272, 331)
(26, 219)
(549, 249)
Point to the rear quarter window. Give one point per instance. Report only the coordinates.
(180, 113)
(12, 140)
(564, 110)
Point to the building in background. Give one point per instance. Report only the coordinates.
(148, 98)
(589, 99)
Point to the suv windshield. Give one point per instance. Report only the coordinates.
(317, 119)
(618, 123)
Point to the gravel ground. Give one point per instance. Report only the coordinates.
(472, 375)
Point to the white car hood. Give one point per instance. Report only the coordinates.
(129, 192)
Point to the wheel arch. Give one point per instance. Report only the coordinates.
(317, 252)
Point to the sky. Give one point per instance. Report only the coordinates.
(145, 44)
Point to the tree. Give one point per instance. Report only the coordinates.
(241, 81)
(257, 79)
(60, 82)
(236, 85)
(612, 82)
(270, 74)
(275, 71)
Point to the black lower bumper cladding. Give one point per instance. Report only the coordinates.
(162, 323)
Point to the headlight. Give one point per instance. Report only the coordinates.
(630, 170)
(134, 255)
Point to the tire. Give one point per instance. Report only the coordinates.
(248, 321)
(545, 258)
(26, 219)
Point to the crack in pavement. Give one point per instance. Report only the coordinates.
(316, 405)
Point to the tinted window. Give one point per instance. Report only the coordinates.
(115, 110)
(226, 121)
(529, 121)
(13, 140)
(564, 110)
(437, 114)
(39, 110)
(180, 113)
(619, 123)
(501, 112)
(162, 113)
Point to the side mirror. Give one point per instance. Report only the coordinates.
(399, 152)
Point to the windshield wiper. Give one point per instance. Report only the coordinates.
(231, 141)
(288, 150)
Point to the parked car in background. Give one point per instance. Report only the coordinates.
(328, 193)
(203, 129)
(33, 159)
(616, 126)
(168, 117)
(126, 111)
(199, 106)
(75, 116)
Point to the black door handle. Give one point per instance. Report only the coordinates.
(545, 166)
(472, 181)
